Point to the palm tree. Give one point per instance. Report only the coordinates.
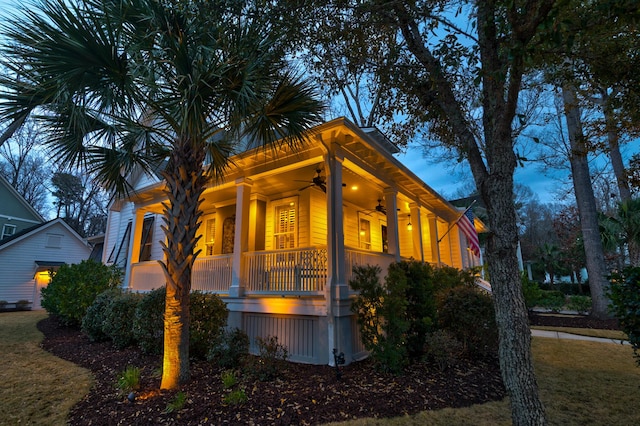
(132, 83)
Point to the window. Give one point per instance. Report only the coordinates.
(285, 226)
(54, 241)
(365, 234)
(8, 230)
(210, 236)
(146, 240)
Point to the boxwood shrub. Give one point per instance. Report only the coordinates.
(74, 288)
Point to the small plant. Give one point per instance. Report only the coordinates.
(442, 348)
(228, 348)
(235, 397)
(129, 379)
(582, 304)
(268, 364)
(177, 403)
(228, 379)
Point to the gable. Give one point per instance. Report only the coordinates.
(16, 214)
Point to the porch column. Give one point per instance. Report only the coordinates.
(241, 236)
(391, 202)
(134, 245)
(337, 290)
(416, 232)
(433, 238)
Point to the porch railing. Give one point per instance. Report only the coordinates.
(279, 271)
(212, 273)
(146, 276)
(358, 257)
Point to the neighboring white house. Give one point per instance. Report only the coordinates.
(28, 256)
(30, 247)
(282, 232)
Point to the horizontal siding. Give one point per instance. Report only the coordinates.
(18, 261)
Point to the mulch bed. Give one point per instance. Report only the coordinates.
(302, 395)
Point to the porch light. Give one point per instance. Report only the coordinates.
(409, 226)
(354, 187)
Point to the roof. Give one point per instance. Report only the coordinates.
(25, 233)
(20, 198)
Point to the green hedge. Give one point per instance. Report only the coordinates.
(74, 288)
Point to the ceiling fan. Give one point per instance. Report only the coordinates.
(379, 208)
(318, 180)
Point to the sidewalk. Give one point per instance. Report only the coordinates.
(569, 336)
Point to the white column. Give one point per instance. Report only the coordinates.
(433, 238)
(391, 204)
(241, 236)
(416, 233)
(133, 255)
(335, 227)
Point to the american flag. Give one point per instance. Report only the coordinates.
(465, 223)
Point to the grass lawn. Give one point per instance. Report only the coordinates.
(580, 383)
(36, 388)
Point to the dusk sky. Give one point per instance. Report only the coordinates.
(447, 179)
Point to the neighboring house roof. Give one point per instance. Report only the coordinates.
(26, 233)
(20, 199)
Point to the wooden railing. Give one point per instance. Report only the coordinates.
(212, 273)
(146, 276)
(358, 257)
(296, 270)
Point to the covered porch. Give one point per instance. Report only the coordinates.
(281, 235)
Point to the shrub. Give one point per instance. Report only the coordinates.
(442, 348)
(468, 314)
(551, 299)
(118, 319)
(381, 315)
(421, 305)
(208, 317)
(74, 288)
(93, 321)
(625, 304)
(582, 304)
(3, 304)
(228, 348)
(531, 292)
(270, 360)
(148, 322)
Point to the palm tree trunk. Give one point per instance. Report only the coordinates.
(594, 253)
(185, 184)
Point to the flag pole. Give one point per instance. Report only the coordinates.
(456, 222)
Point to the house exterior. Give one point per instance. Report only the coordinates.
(28, 255)
(281, 234)
(16, 214)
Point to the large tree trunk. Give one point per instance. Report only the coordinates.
(185, 184)
(512, 320)
(614, 149)
(586, 201)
